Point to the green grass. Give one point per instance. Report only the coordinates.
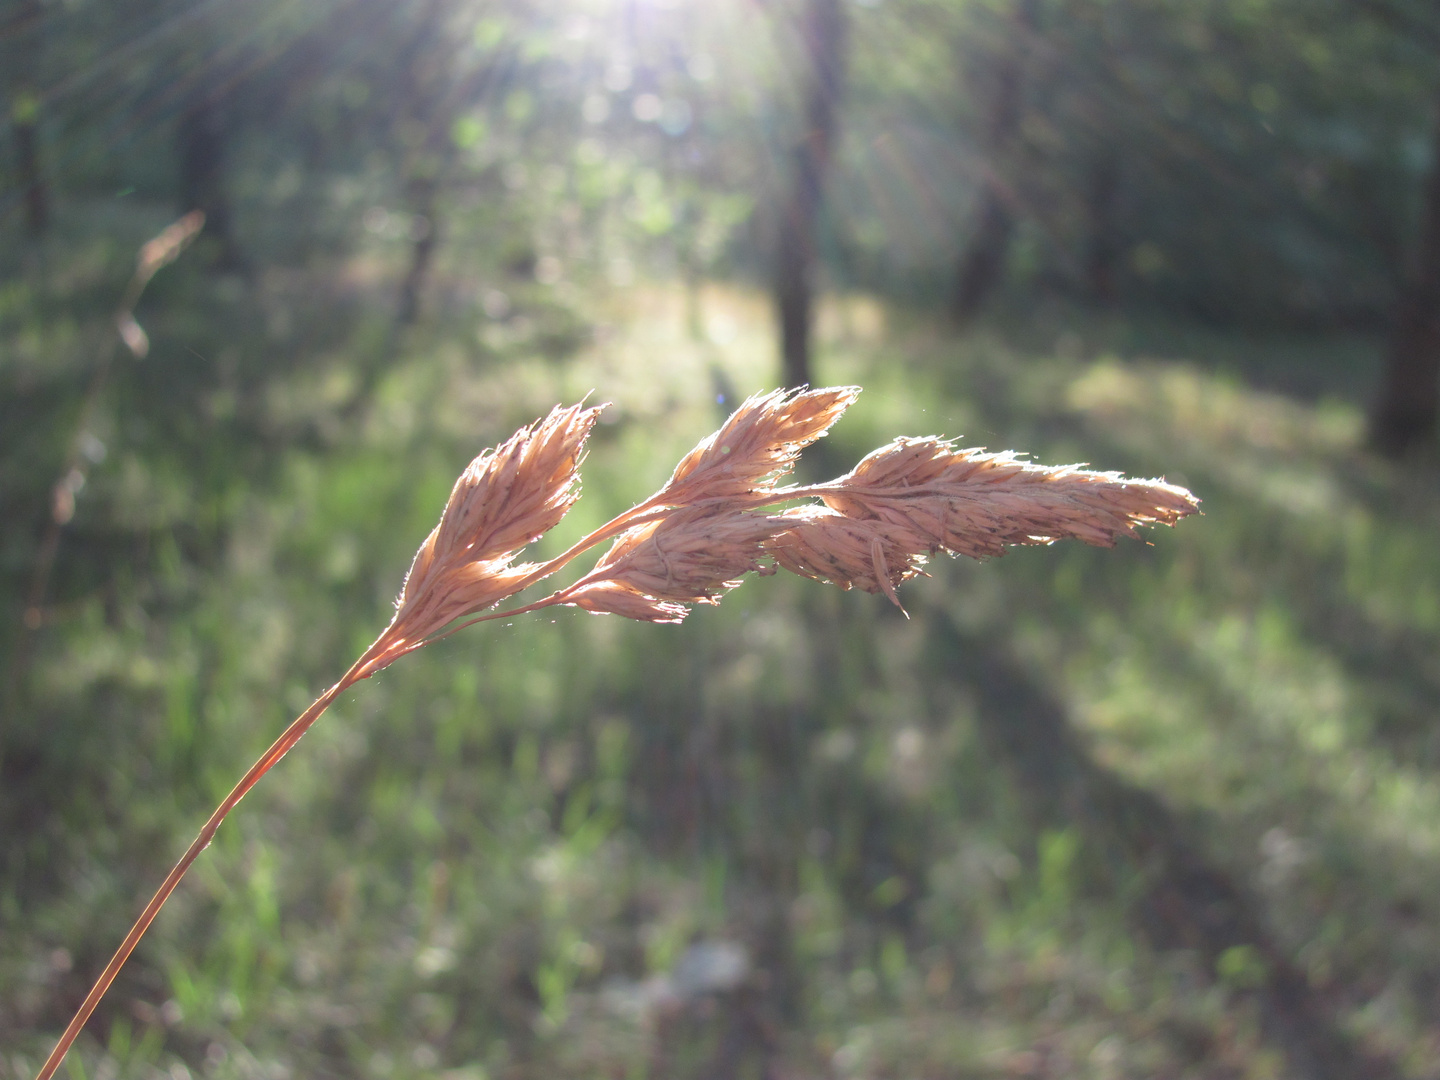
(471, 867)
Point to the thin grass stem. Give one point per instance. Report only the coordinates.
(363, 668)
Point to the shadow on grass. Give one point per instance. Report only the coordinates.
(1187, 902)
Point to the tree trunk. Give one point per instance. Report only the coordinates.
(422, 250)
(1405, 414)
(23, 58)
(202, 138)
(32, 178)
(983, 262)
(823, 33)
(428, 103)
(1102, 250)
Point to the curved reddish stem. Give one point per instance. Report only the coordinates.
(374, 658)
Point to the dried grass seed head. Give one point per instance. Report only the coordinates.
(970, 502)
(616, 598)
(902, 502)
(826, 545)
(756, 445)
(166, 246)
(506, 498)
(691, 556)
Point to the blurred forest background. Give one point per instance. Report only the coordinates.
(1166, 811)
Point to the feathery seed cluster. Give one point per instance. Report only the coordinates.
(708, 526)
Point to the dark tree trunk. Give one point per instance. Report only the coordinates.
(1405, 414)
(427, 102)
(422, 251)
(202, 138)
(23, 57)
(822, 33)
(1103, 247)
(983, 261)
(32, 177)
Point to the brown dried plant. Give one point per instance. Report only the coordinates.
(156, 253)
(710, 524)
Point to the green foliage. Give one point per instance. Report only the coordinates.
(1246, 162)
(488, 857)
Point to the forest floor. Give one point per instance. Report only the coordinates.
(1170, 810)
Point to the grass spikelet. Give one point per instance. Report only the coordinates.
(970, 502)
(691, 556)
(758, 444)
(870, 554)
(165, 247)
(505, 499)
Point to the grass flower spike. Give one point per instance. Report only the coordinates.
(757, 445)
(698, 536)
(870, 554)
(691, 556)
(969, 502)
(505, 499)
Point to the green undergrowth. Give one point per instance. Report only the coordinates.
(523, 851)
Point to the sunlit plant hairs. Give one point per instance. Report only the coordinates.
(709, 525)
